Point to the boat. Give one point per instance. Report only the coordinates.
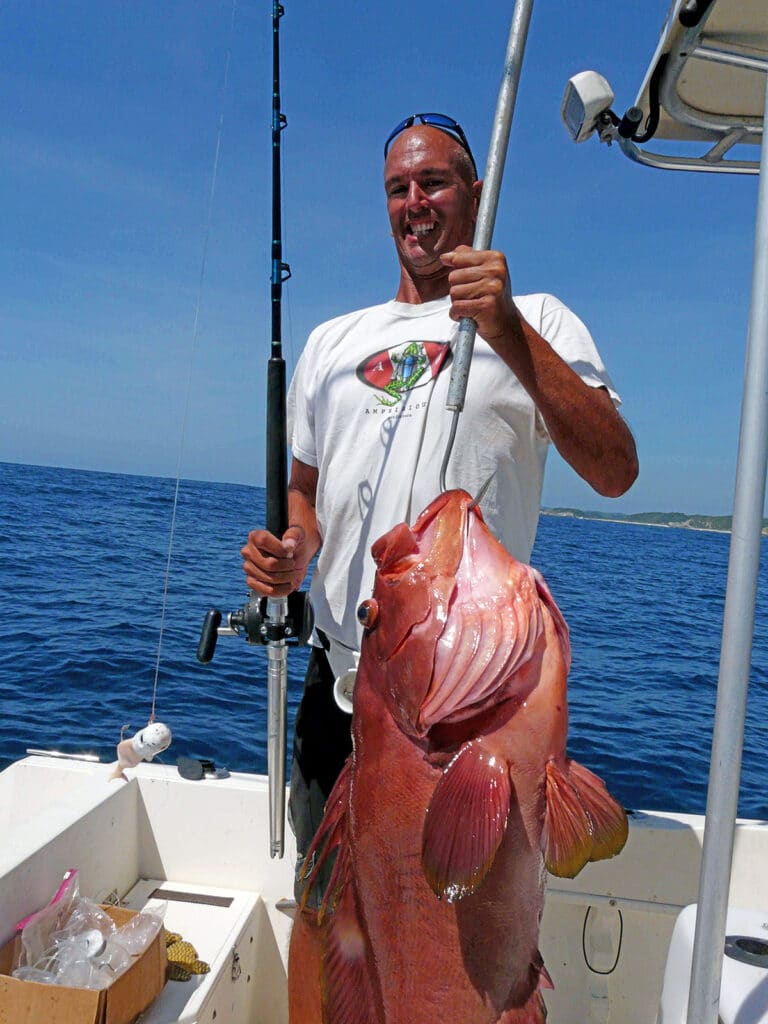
(688, 896)
(605, 935)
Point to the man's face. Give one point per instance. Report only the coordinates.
(432, 204)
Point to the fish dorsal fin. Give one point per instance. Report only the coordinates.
(331, 835)
(465, 821)
(347, 985)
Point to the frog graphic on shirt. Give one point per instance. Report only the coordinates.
(396, 371)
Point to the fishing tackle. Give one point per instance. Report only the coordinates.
(273, 622)
(144, 745)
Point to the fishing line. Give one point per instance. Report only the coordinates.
(193, 349)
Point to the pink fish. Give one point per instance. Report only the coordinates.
(457, 796)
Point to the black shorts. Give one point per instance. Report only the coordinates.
(322, 742)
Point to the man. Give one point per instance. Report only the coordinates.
(367, 404)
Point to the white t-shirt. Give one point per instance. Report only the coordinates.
(366, 407)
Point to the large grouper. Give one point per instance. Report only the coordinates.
(458, 795)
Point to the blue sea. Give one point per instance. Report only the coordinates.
(82, 568)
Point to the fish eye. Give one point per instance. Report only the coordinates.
(367, 613)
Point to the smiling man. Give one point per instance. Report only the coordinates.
(369, 425)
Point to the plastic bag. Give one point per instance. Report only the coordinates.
(136, 935)
(85, 916)
(73, 941)
(88, 960)
(36, 929)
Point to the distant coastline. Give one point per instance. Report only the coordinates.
(675, 520)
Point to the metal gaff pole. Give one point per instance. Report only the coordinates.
(736, 650)
(277, 484)
(489, 201)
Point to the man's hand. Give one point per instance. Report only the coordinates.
(479, 288)
(275, 568)
(582, 421)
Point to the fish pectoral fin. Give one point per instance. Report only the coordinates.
(583, 822)
(567, 834)
(348, 988)
(610, 827)
(465, 821)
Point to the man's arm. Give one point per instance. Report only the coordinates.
(582, 421)
(276, 567)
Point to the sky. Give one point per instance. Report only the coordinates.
(134, 305)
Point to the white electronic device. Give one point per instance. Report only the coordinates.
(587, 96)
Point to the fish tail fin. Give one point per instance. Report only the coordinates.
(582, 823)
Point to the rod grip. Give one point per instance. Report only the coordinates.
(277, 459)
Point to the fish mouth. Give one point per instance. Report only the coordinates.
(397, 551)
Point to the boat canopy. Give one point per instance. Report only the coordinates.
(705, 83)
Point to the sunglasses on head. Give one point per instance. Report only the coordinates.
(440, 121)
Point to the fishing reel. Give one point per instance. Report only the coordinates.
(260, 622)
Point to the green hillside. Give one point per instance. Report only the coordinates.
(681, 520)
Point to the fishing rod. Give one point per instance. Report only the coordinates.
(277, 483)
(272, 622)
(486, 215)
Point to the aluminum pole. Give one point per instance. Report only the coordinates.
(736, 650)
(489, 201)
(277, 698)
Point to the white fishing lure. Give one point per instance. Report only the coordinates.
(153, 739)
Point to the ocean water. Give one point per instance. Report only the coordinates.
(82, 567)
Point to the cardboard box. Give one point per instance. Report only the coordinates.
(27, 1002)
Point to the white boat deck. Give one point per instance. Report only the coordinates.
(225, 927)
(204, 839)
(605, 935)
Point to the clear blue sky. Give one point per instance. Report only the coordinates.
(109, 125)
